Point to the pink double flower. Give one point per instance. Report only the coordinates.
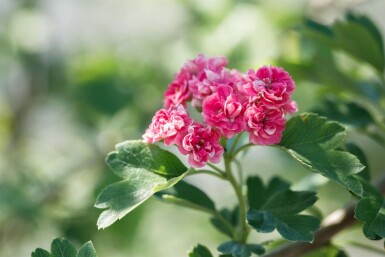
(230, 103)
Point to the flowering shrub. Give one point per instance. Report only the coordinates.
(233, 107)
(239, 111)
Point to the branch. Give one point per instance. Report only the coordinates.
(332, 225)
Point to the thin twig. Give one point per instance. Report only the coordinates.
(235, 142)
(208, 172)
(240, 149)
(215, 168)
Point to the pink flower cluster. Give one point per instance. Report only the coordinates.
(230, 103)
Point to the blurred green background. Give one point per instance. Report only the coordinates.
(77, 77)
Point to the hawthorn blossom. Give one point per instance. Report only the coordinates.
(207, 85)
(197, 65)
(230, 103)
(270, 85)
(201, 143)
(193, 77)
(290, 107)
(224, 111)
(177, 93)
(167, 124)
(265, 126)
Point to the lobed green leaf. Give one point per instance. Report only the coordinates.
(275, 206)
(312, 140)
(145, 169)
(354, 149)
(188, 195)
(87, 250)
(257, 193)
(231, 216)
(287, 201)
(61, 247)
(200, 251)
(236, 249)
(40, 253)
(135, 155)
(371, 211)
(298, 227)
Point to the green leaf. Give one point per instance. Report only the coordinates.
(276, 207)
(200, 251)
(146, 169)
(289, 201)
(236, 249)
(346, 112)
(369, 25)
(371, 211)
(297, 227)
(87, 250)
(135, 155)
(40, 253)
(359, 37)
(354, 149)
(312, 140)
(187, 195)
(61, 247)
(257, 193)
(232, 216)
(318, 32)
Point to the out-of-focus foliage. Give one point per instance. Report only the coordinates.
(76, 77)
(346, 61)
